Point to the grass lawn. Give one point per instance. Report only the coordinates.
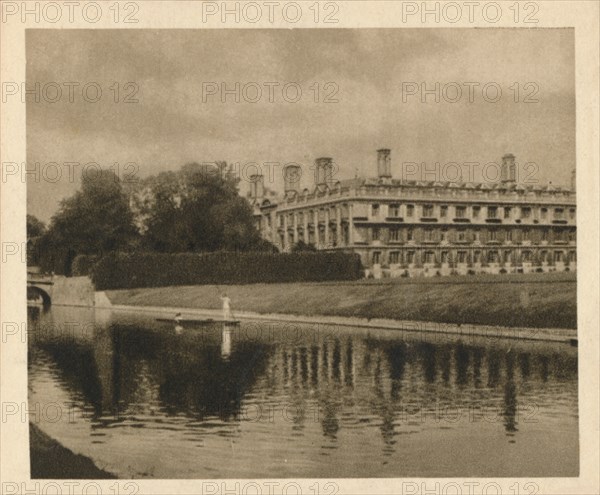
(532, 300)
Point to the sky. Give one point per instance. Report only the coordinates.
(175, 121)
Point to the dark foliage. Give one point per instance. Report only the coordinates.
(134, 270)
(197, 209)
(83, 264)
(95, 220)
(301, 246)
(35, 227)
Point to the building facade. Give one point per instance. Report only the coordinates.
(412, 228)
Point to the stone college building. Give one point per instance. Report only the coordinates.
(422, 228)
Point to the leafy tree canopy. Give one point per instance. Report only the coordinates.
(95, 220)
(197, 208)
(35, 227)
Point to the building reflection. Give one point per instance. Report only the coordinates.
(394, 384)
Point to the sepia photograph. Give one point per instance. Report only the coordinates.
(281, 244)
(300, 253)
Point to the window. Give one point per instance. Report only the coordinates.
(394, 234)
(462, 256)
(376, 234)
(443, 211)
(558, 213)
(477, 235)
(572, 213)
(544, 234)
(476, 210)
(394, 257)
(410, 257)
(376, 257)
(509, 235)
(526, 256)
(427, 210)
(427, 235)
(573, 256)
(374, 210)
(444, 256)
(461, 211)
(543, 213)
(410, 210)
(492, 211)
(394, 211)
(493, 235)
(493, 256)
(558, 256)
(526, 234)
(559, 235)
(477, 256)
(444, 235)
(429, 257)
(571, 235)
(410, 235)
(462, 235)
(507, 211)
(525, 212)
(506, 256)
(281, 220)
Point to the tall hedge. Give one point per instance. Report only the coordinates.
(135, 270)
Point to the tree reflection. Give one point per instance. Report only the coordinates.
(354, 380)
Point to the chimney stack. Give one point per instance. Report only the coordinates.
(573, 181)
(324, 170)
(508, 171)
(257, 187)
(291, 177)
(384, 163)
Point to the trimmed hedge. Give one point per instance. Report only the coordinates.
(83, 264)
(136, 270)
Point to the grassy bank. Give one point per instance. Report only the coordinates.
(545, 300)
(50, 460)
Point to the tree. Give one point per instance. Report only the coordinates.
(197, 208)
(95, 220)
(35, 227)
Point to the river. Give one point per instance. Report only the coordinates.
(144, 399)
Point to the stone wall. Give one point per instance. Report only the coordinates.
(72, 291)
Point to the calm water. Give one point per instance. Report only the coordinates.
(143, 399)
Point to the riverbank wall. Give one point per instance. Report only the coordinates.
(292, 323)
(73, 291)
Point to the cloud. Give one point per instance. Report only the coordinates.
(172, 125)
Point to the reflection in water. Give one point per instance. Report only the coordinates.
(226, 342)
(346, 393)
(510, 395)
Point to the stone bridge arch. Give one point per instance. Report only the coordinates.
(44, 292)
